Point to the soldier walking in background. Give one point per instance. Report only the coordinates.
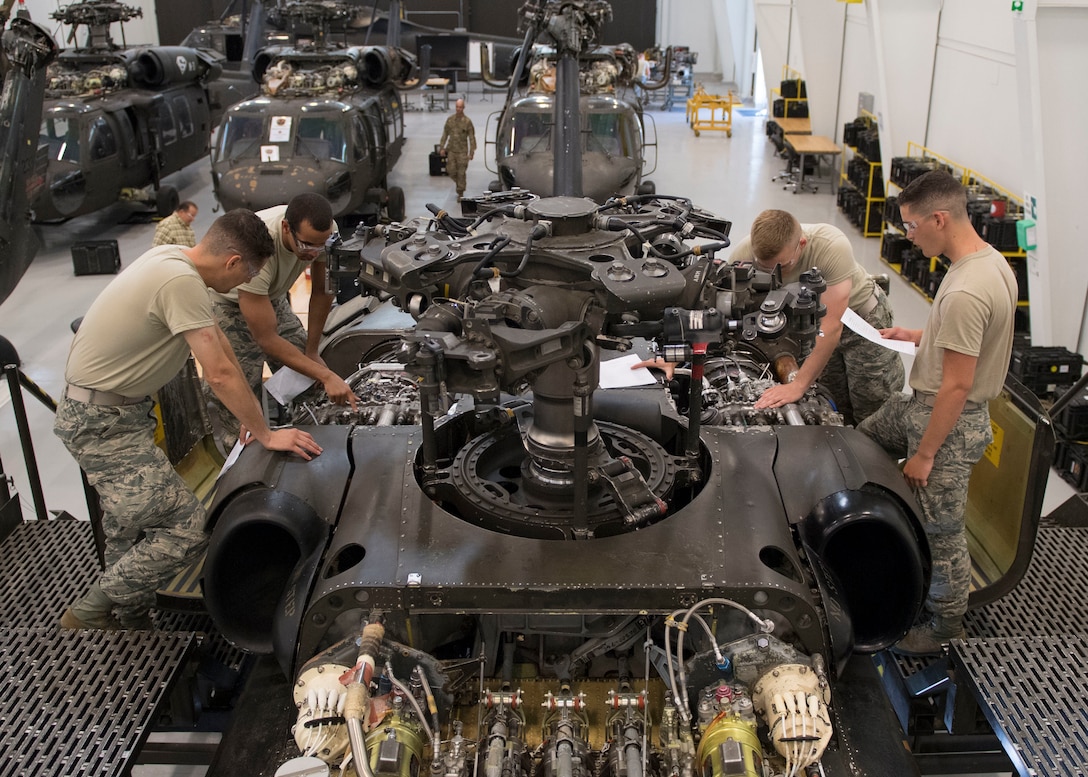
(458, 145)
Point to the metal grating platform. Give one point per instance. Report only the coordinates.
(47, 566)
(1033, 692)
(1051, 599)
(81, 702)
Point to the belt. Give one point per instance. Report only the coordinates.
(868, 305)
(929, 400)
(96, 397)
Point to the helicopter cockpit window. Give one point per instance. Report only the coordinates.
(608, 132)
(184, 115)
(360, 140)
(101, 140)
(168, 129)
(321, 138)
(241, 137)
(61, 135)
(529, 132)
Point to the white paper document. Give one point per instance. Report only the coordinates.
(286, 384)
(866, 330)
(617, 373)
(232, 457)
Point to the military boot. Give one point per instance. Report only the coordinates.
(137, 620)
(93, 611)
(930, 639)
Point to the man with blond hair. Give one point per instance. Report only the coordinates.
(859, 374)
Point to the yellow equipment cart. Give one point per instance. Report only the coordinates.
(711, 111)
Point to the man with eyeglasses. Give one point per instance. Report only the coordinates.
(135, 338)
(257, 317)
(177, 228)
(859, 374)
(943, 428)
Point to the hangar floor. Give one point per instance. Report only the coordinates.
(730, 176)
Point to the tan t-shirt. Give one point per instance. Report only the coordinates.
(282, 268)
(973, 315)
(829, 251)
(132, 339)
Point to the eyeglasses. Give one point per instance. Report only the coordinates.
(910, 226)
(304, 247)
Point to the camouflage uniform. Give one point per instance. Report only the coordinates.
(459, 140)
(898, 427)
(154, 525)
(250, 356)
(861, 375)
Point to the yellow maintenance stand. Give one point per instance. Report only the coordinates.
(711, 104)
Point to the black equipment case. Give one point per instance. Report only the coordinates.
(437, 162)
(96, 257)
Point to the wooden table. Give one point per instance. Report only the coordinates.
(818, 146)
(795, 126)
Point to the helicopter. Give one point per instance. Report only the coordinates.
(117, 120)
(329, 119)
(27, 50)
(237, 38)
(492, 527)
(603, 116)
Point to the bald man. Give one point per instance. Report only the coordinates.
(458, 145)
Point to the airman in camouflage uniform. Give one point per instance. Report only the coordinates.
(258, 319)
(135, 337)
(458, 145)
(860, 375)
(944, 428)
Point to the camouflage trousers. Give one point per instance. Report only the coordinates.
(898, 427)
(457, 166)
(250, 357)
(154, 525)
(861, 375)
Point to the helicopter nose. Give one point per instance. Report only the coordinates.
(67, 192)
(262, 187)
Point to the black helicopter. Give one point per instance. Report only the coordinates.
(27, 49)
(118, 119)
(236, 38)
(329, 119)
(606, 123)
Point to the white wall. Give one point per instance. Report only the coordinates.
(972, 115)
(139, 31)
(734, 21)
(859, 73)
(1049, 41)
(821, 64)
(689, 23)
(779, 39)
